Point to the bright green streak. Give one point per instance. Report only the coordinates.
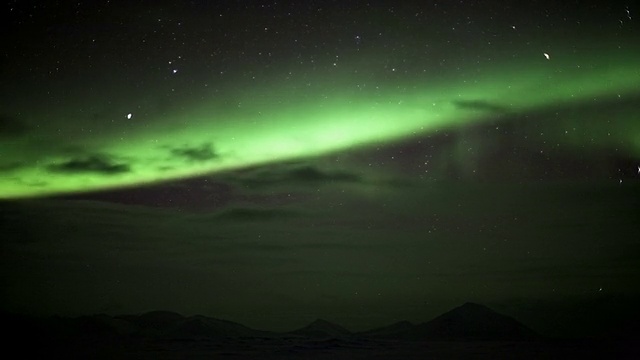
(271, 128)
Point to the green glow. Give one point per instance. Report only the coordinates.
(286, 122)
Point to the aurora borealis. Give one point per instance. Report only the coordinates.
(93, 136)
(318, 153)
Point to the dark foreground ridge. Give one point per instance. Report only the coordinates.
(470, 330)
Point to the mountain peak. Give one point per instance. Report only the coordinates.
(322, 328)
(472, 321)
(160, 317)
(470, 304)
(473, 308)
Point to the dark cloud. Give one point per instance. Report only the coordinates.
(202, 194)
(21, 222)
(201, 153)
(11, 126)
(96, 164)
(253, 214)
(289, 174)
(313, 174)
(11, 166)
(480, 105)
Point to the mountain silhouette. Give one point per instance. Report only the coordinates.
(157, 319)
(102, 325)
(162, 324)
(202, 326)
(471, 322)
(322, 328)
(467, 322)
(468, 331)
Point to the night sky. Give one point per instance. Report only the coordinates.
(364, 162)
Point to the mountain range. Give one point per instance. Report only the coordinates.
(467, 322)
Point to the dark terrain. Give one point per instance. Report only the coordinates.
(470, 331)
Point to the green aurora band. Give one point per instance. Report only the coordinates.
(281, 122)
